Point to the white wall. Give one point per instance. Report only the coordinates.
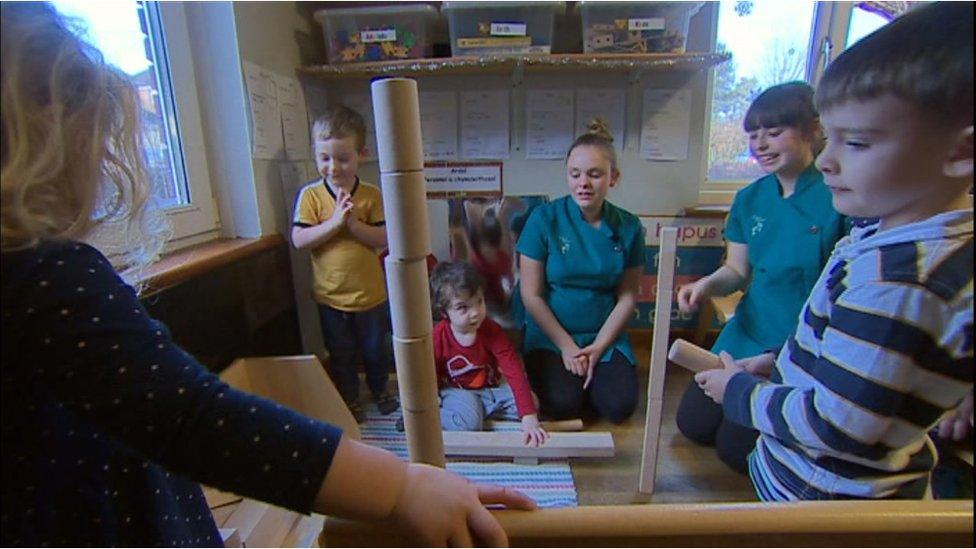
(265, 33)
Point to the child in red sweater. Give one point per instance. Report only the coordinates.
(479, 372)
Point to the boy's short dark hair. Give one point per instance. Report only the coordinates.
(784, 105)
(924, 57)
(340, 122)
(452, 278)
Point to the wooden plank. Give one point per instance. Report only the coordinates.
(560, 445)
(230, 538)
(272, 528)
(217, 498)
(659, 359)
(306, 532)
(221, 514)
(246, 517)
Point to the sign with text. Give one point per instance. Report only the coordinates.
(450, 179)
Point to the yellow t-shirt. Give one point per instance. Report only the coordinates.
(346, 274)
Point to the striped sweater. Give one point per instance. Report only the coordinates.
(882, 352)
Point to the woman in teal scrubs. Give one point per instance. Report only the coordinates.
(780, 231)
(580, 263)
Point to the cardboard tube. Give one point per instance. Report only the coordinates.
(405, 210)
(406, 283)
(424, 440)
(693, 357)
(396, 110)
(415, 370)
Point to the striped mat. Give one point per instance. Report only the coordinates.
(550, 483)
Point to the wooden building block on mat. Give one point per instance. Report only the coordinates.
(509, 444)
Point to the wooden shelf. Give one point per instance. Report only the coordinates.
(527, 63)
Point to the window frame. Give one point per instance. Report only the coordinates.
(197, 221)
(830, 26)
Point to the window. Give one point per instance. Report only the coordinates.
(768, 40)
(148, 41)
(772, 42)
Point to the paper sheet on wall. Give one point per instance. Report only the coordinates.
(294, 118)
(548, 123)
(439, 124)
(666, 124)
(484, 124)
(608, 104)
(262, 92)
(363, 104)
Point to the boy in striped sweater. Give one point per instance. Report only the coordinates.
(884, 347)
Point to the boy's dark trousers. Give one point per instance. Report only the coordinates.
(349, 333)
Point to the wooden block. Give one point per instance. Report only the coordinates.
(423, 430)
(221, 514)
(725, 306)
(272, 528)
(525, 461)
(306, 531)
(216, 498)
(407, 286)
(416, 375)
(559, 445)
(659, 359)
(405, 210)
(230, 538)
(246, 517)
(298, 382)
(693, 357)
(396, 112)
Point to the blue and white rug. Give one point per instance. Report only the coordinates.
(550, 483)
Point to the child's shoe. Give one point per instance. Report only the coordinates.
(357, 411)
(387, 403)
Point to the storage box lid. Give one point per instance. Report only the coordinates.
(399, 9)
(558, 7)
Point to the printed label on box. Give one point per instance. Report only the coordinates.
(645, 23)
(378, 35)
(508, 28)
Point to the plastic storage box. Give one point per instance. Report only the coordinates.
(376, 33)
(499, 28)
(636, 27)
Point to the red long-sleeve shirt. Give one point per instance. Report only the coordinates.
(482, 364)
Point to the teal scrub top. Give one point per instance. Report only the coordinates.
(583, 268)
(790, 240)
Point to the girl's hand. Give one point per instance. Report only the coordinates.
(535, 435)
(440, 509)
(573, 361)
(592, 352)
(714, 382)
(690, 296)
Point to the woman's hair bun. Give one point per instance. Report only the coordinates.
(598, 127)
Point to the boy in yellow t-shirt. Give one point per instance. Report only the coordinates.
(339, 219)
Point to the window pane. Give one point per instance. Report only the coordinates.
(129, 35)
(768, 40)
(863, 23)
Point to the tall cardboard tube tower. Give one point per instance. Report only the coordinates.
(396, 111)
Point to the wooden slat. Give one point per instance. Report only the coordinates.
(560, 445)
(659, 358)
(561, 426)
